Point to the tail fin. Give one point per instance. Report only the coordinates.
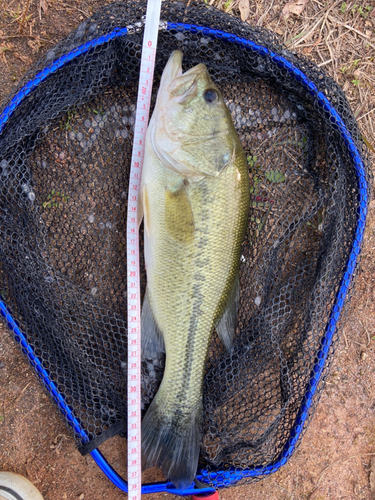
(172, 443)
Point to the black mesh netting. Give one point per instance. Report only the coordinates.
(64, 166)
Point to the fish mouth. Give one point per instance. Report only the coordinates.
(183, 85)
(172, 70)
(176, 146)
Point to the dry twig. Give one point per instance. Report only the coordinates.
(20, 394)
(345, 338)
(26, 9)
(350, 28)
(368, 112)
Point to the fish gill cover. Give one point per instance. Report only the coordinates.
(65, 149)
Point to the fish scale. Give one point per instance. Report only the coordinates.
(195, 204)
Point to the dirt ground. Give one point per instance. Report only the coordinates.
(335, 456)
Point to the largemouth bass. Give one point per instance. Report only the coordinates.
(194, 197)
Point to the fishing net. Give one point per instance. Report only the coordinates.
(65, 148)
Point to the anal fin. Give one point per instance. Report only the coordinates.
(226, 326)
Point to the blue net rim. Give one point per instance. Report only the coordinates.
(231, 476)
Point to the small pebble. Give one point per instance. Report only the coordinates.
(31, 196)
(51, 54)
(87, 123)
(109, 225)
(72, 136)
(257, 301)
(81, 29)
(93, 290)
(91, 218)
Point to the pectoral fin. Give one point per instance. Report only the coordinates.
(144, 209)
(140, 208)
(226, 326)
(152, 340)
(179, 217)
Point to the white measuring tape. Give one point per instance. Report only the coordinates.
(150, 39)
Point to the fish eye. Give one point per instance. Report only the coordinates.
(211, 96)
